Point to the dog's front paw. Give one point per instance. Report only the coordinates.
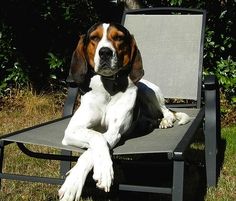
(71, 189)
(103, 172)
(166, 123)
(74, 182)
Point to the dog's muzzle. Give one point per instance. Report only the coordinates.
(107, 62)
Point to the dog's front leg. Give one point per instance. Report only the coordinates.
(79, 133)
(73, 185)
(97, 155)
(119, 114)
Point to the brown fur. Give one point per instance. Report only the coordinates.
(124, 44)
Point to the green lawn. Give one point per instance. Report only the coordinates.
(226, 189)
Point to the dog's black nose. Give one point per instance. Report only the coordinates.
(105, 53)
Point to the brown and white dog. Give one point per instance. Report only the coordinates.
(108, 58)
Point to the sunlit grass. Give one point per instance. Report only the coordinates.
(225, 190)
(21, 110)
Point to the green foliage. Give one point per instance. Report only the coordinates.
(15, 76)
(175, 2)
(226, 74)
(224, 69)
(55, 63)
(11, 70)
(56, 66)
(39, 39)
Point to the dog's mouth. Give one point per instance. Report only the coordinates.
(107, 71)
(105, 63)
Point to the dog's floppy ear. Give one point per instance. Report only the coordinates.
(137, 71)
(78, 66)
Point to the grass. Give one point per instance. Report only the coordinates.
(24, 109)
(227, 180)
(21, 110)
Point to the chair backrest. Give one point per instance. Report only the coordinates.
(171, 44)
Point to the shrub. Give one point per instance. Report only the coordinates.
(36, 42)
(226, 74)
(12, 72)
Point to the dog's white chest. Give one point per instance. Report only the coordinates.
(112, 105)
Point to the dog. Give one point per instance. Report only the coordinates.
(108, 60)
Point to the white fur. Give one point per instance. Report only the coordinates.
(182, 118)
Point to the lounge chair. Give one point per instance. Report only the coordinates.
(171, 44)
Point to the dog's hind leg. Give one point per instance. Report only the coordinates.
(154, 99)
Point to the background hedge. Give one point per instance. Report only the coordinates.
(37, 38)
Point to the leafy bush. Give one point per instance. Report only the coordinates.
(56, 66)
(226, 74)
(219, 50)
(15, 76)
(12, 72)
(39, 39)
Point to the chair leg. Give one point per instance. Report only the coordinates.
(178, 181)
(211, 136)
(1, 159)
(65, 165)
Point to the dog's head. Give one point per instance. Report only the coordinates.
(108, 49)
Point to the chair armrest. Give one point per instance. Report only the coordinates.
(74, 90)
(72, 94)
(210, 82)
(211, 111)
(212, 128)
(212, 106)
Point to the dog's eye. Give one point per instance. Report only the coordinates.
(95, 38)
(118, 38)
